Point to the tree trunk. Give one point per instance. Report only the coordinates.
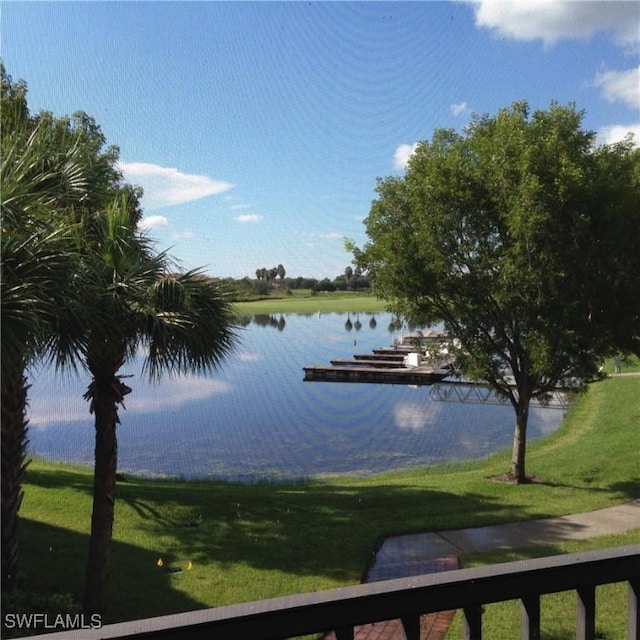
(517, 471)
(105, 394)
(13, 447)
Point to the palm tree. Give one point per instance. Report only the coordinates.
(35, 269)
(182, 322)
(39, 256)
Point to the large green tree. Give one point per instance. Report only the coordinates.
(522, 236)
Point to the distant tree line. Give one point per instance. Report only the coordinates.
(352, 279)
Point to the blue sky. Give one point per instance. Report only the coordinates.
(258, 129)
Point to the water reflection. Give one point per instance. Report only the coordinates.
(262, 320)
(257, 418)
(279, 322)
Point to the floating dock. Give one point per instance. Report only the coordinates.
(406, 363)
(417, 376)
(399, 364)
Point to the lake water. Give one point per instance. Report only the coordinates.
(257, 419)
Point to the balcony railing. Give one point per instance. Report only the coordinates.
(405, 599)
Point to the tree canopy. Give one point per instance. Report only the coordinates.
(41, 180)
(521, 235)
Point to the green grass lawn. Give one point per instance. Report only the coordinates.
(247, 542)
(302, 301)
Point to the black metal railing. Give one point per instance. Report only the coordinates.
(405, 599)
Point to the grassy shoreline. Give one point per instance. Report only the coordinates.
(248, 542)
(304, 301)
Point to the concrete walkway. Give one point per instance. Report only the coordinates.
(420, 553)
(425, 546)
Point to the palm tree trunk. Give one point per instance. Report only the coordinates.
(13, 446)
(105, 393)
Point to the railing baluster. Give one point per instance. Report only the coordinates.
(530, 618)
(586, 605)
(633, 622)
(344, 633)
(411, 625)
(472, 622)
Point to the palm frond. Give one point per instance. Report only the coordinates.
(189, 327)
(36, 175)
(36, 269)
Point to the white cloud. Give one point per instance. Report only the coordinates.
(235, 207)
(183, 235)
(66, 405)
(553, 20)
(333, 235)
(250, 357)
(459, 109)
(167, 187)
(617, 132)
(249, 217)
(178, 391)
(152, 222)
(621, 86)
(402, 155)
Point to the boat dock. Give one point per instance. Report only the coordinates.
(413, 376)
(399, 364)
(423, 360)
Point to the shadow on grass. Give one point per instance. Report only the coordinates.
(53, 560)
(630, 489)
(310, 530)
(313, 528)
